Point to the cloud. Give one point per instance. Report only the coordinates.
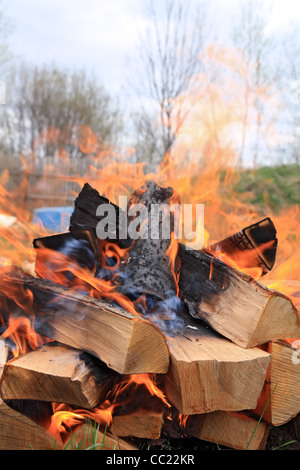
(100, 35)
(94, 34)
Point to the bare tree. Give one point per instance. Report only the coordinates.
(49, 106)
(170, 56)
(290, 59)
(250, 36)
(5, 31)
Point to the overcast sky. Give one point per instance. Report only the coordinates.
(101, 35)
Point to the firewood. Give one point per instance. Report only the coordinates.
(57, 373)
(208, 372)
(148, 270)
(84, 437)
(229, 301)
(281, 390)
(235, 430)
(85, 215)
(141, 423)
(250, 248)
(80, 247)
(122, 340)
(18, 432)
(253, 246)
(233, 303)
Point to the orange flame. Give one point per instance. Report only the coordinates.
(182, 420)
(21, 331)
(171, 253)
(65, 418)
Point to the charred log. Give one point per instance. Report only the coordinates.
(252, 247)
(78, 246)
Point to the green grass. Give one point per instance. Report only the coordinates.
(275, 187)
(90, 439)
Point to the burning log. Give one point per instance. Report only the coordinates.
(86, 215)
(84, 437)
(18, 432)
(281, 389)
(253, 247)
(202, 370)
(142, 423)
(80, 247)
(148, 269)
(57, 373)
(208, 372)
(229, 301)
(234, 430)
(233, 303)
(120, 339)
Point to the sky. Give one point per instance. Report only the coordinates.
(101, 36)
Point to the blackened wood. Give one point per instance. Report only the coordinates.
(79, 246)
(85, 216)
(257, 241)
(148, 269)
(18, 429)
(233, 303)
(252, 247)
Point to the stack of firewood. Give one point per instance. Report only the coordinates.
(194, 343)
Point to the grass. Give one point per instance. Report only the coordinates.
(275, 187)
(90, 439)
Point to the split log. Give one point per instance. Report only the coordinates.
(257, 242)
(57, 373)
(230, 302)
(251, 248)
(18, 432)
(231, 429)
(84, 437)
(141, 423)
(281, 389)
(86, 215)
(148, 270)
(122, 340)
(233, 303)
(208, 372)
(79, 247)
